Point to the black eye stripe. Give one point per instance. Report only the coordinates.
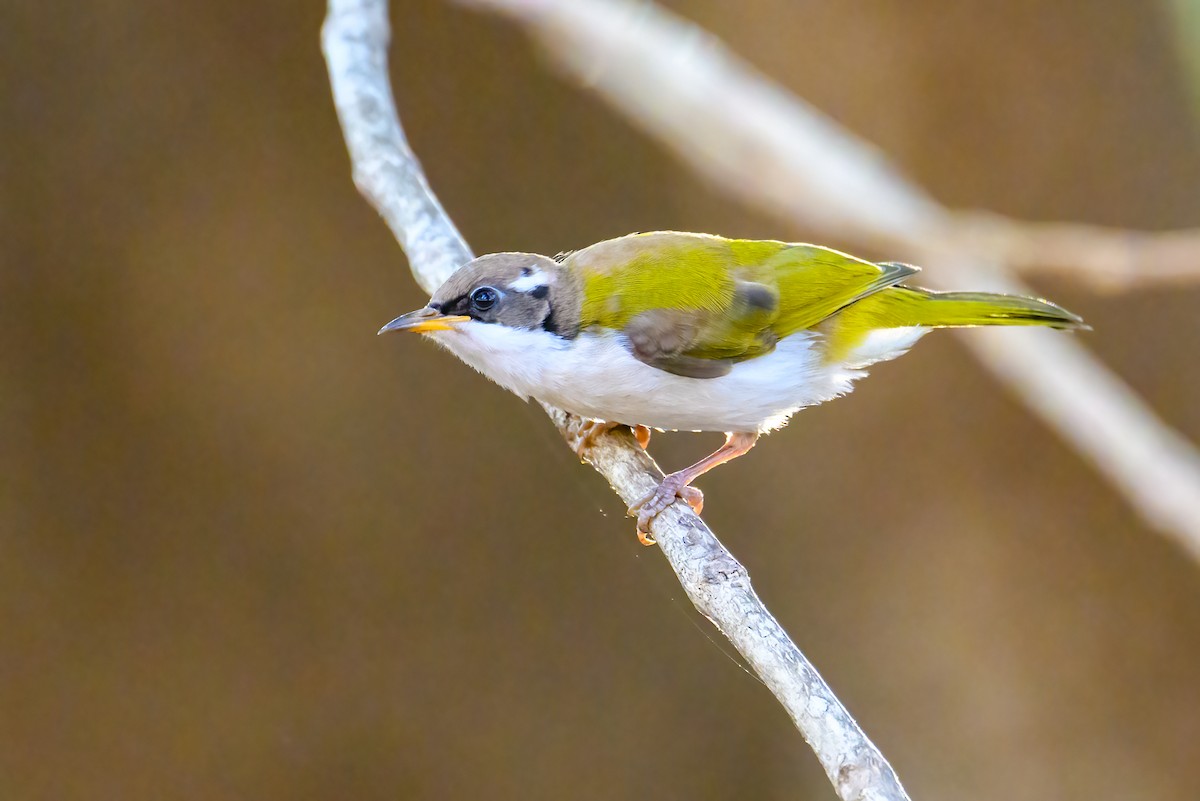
(539, 292)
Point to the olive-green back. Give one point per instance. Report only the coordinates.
(738, 296)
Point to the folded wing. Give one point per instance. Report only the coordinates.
(695, 305)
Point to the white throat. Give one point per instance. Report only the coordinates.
(514, 358)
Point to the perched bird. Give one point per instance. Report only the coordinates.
(693, 332)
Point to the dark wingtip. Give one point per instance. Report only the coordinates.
(1067, 320)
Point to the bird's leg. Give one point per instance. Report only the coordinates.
(677, 485)
(581, 433)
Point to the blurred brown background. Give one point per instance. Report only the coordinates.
(248, 550)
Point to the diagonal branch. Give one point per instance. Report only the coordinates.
(761, 143)
(354, 40)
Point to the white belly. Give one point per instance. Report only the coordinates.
(595, 376)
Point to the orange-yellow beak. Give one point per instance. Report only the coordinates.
(423, 321)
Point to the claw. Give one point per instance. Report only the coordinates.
(693, 497)
(642, 435)
(665, 494)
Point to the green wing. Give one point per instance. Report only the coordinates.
(694, 304)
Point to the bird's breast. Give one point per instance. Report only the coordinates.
(594, 375)
(597, 377)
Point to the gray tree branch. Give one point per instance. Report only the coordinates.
(354, 40)
(768, 147)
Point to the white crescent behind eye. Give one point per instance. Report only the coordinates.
(530, 281)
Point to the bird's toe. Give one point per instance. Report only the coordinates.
(665, 494)
(642, 435)
(581, 434)
(694, 498)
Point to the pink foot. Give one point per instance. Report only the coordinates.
(581, 434)
(649, 507)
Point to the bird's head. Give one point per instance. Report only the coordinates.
(522, 291)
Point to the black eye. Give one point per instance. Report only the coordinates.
(484, 298)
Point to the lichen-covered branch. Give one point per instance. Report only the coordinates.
(354, 40)
(719, 587)
(763, 144)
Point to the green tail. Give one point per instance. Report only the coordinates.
(903, 306)
(909, 306)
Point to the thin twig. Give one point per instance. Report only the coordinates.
(1108, 259)
(354, 39)
(761, 143)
